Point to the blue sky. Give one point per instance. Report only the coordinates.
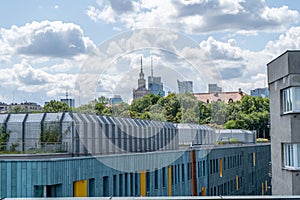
(44, 45)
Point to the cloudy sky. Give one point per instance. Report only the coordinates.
(93, 47)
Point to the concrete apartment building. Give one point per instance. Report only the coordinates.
(284, 85)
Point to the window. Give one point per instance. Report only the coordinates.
(203, 167)
(156, 179)
(182, 172)
(115, 185)
(164, 177)
(290, 100)
(291, 156)
(105, 187)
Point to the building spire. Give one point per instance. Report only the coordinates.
(151, 67)
(141, 64)
(67, 94)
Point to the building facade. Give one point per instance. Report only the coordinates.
(115, 100)
(263, 92)
(214, 88)
(154, 84)
(284, 85)
(226, 97)
(185, 87)
(141, 90)
(20, 107)
(221, 171)
(111, 156)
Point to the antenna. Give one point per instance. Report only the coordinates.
(151, 67)
(141, 63)
(67, 95)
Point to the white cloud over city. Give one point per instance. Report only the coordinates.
(43, 56)
(196, 17)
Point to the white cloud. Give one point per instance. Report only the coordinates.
(219, 50)
(197, 16)
(288, 41)
(49, 39)
(27, 79)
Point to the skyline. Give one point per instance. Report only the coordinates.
(45, 44)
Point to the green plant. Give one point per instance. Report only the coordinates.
(4, 136)
(14, 146)
(50, 133)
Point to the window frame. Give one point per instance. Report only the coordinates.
(291, 156)
(289, 99)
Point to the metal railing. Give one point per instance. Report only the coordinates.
(33, 147)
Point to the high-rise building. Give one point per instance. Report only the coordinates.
(115, 100)
(214, 88)
(284, 86)
(141, 90)
(185, 87)
(263, 92)
(68, 101)
(155, 86)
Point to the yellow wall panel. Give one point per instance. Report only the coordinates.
(237, 182)
(170, 181)
(203, 191)
(143, 183)
(80, 188)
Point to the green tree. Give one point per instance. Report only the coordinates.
(144, 104)
(88, 108)
(204, 111)
(171, 108)
(218, 112)
(121, 110)
(4, 137)
(251, 113)
(16, 109)
(50, 133)
(56, 106)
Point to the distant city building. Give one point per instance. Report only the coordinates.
(263, 92)
(214, 88)
(185, 87)
(155, 86)
(115, 100)
(68, 101)
(22, 107)
(141, 90)
(226, 97)
(284, 85)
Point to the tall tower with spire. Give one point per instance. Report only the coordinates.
(141, 80)
(141, 90)
(155, 86)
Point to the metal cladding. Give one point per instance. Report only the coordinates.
(82, 134)
(241, 136)
(195, 134)
(86, 134)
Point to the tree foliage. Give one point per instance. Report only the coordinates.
(56, 106)
(4, 137)
(250, 113)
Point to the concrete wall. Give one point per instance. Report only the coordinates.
(120, 175)
(283, 72)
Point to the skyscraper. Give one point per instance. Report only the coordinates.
(141, 90)
(214, 88)
(155, 86)
(185, 87)
(69, 101)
